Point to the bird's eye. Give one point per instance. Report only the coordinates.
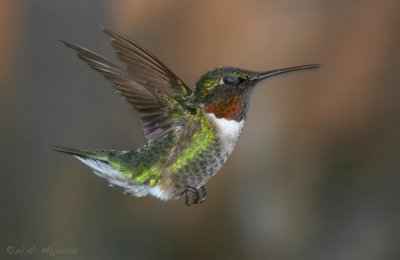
(230, 80)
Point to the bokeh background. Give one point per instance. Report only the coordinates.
(315, 174)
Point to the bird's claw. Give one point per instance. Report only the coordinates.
(203, 194)
(195, 196)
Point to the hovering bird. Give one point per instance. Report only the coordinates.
(190, 134)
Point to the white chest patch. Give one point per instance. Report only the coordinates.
(229, 130)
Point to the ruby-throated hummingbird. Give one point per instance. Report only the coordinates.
(191, 133)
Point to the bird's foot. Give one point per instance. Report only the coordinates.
(203, 194)
(195, 196)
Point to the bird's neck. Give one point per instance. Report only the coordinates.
(229, 108)
(227, 130)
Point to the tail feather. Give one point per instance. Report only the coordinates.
(91, 154)
(99, 162)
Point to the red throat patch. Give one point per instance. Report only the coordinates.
(228, 109)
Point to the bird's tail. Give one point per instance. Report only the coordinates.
(103, 165)
(90, 154)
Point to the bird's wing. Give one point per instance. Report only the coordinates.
(143, 65)
(150, 87)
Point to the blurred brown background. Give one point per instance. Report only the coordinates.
(314, 176)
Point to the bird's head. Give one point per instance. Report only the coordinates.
(225, 91)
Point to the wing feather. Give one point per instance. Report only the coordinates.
(143, 64)
(147, 84)
(153, 109)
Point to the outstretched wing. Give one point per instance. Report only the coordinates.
(150, 87)
(142, 64)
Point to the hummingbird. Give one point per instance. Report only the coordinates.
(191, 133)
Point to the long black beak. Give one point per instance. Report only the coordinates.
(267, 74)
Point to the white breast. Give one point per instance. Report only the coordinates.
(228, 130)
